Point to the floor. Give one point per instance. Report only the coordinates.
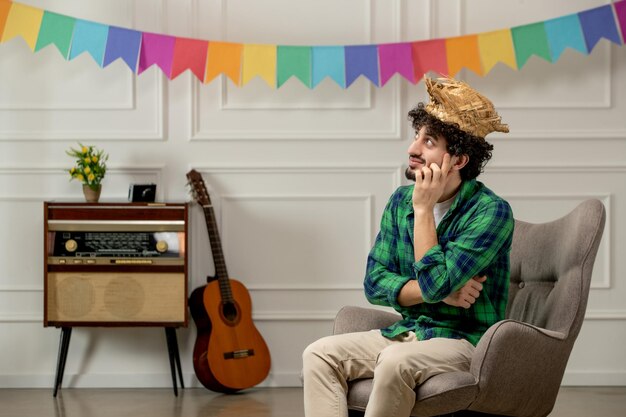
(267, 402)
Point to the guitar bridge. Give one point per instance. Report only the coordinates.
(239, 354)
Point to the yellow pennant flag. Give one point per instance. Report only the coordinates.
(23, 21)
(462, 51)
(224, 58)
(259, 60)
(496, 46)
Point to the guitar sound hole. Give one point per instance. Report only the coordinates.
(229, 310)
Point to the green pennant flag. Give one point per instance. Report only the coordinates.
(294, 61)
(56, 29)
(530, 40)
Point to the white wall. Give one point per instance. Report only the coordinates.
(299, 177)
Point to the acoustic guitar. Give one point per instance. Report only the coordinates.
(229, 353)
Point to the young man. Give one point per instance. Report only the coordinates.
(441, 259)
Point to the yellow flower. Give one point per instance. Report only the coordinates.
(91, 177)
(87, 160)
(79, 177)
(94, 159)
(85, 149)
(72, 171)
(87, 170)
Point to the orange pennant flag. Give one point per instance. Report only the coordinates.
(5, 7)
(496, 46)
(462, 51)
(224, 58)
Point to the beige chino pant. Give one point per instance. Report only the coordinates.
(397, 366)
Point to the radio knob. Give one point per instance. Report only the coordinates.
(161, 246)
(71, 245)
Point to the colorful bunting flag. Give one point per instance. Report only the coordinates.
(89, 37)
(429, 56)
(56, 29)
(565, 32)
(190, 54)
(122, 43)
(294, 61)
(276, 64)
(5, 7)
(259, 60)
(361, 60)
(396, 58)
(494, 47)
(23, 21)
(328, 61)
(156, 49)
(599, 23)
(224, 58)
(462, 52)
(530, 40)
(620, 12)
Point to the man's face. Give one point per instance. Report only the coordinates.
(425, 149)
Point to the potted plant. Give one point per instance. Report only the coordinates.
(89, 170)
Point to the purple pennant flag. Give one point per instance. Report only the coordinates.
(395, 58)
(620, 11)
(156, 49)
(599, 23)
(123, 43)
(361, 60)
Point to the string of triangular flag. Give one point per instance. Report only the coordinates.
(276, 64)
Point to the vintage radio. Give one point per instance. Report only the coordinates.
(110, 264)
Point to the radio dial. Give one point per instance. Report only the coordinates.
(71, 245)
(161, 246)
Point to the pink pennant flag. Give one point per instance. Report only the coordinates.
(620, 12)
(189, 54)
(429, 56)
(395, 58)
(156, 49)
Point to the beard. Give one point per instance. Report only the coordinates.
(409, 174)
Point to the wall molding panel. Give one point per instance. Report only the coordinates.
(299, 177)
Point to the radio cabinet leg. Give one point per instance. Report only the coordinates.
(64, 344)
(174, 355)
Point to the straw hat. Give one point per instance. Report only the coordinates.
(454, 101)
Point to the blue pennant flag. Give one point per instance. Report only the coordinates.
(599, 23)
(89, 37)
(362, 60)
(565, 32)
(125, 44)
(328, 61)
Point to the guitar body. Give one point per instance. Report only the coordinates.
(237, 354)
(229, 354)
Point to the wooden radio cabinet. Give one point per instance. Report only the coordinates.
(115, 264)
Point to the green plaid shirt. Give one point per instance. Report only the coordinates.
(474, 239)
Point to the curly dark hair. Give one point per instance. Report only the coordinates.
(459, 143)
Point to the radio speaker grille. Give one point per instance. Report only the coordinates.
(116, 297)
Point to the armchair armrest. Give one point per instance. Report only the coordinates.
(358, 319)
(519, 368)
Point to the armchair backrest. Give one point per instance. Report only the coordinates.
(551, 265)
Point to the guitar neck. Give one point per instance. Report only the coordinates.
(221, 272)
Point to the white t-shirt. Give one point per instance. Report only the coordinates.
(442, 208)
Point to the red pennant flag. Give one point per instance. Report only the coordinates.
(190, 54)
(429, 56)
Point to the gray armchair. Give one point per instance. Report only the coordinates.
(519, 363)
